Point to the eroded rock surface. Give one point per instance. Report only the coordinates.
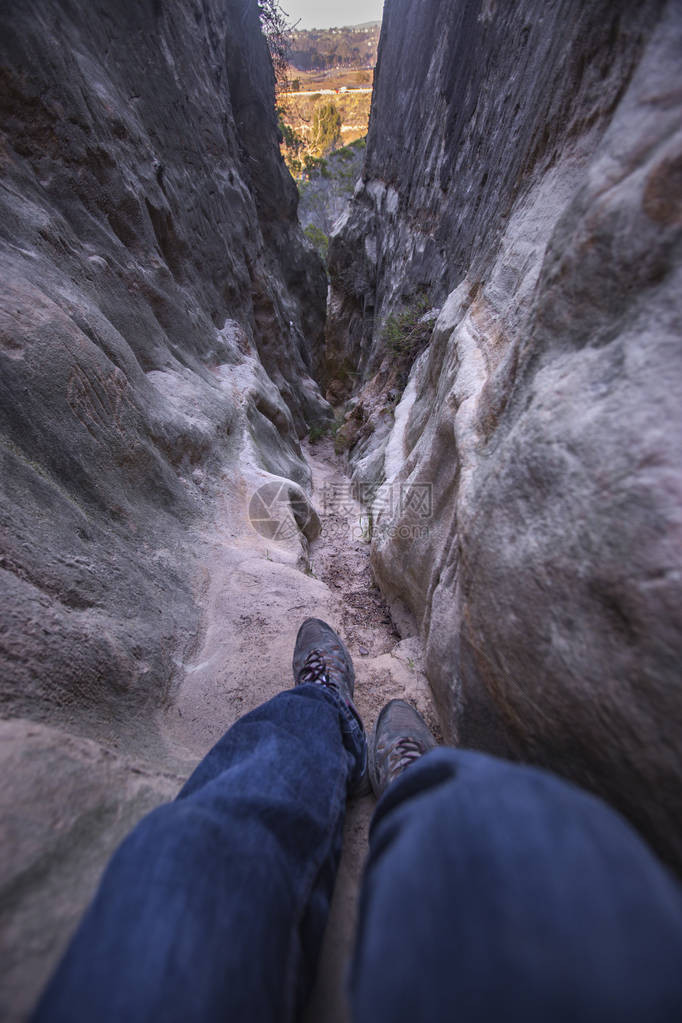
(160, 311)
(160, 320)
(54, 846)
(526, 175)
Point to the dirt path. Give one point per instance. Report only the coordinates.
(385, 667)
(255, 596)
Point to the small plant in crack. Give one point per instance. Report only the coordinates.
(325, 429)
(319, 239)
(406, 333)
(317, 431)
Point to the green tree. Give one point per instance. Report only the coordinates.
(326, 128)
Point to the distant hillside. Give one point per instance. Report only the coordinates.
(320, 48)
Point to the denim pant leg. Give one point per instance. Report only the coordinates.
(496, 892)
(214, 906)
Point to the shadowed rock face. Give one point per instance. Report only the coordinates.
(160, 310)
(527, 175)
(160, 318)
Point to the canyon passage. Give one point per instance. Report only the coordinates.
(458, 441)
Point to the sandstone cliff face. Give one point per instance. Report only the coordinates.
(152, 263)
(160, 320)
(525, 174)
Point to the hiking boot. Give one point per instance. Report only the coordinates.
(321, 657)
(400, 737)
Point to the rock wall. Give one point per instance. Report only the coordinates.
(523, 171)
(150, 255)
(160, 319)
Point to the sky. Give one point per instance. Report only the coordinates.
(332, 13)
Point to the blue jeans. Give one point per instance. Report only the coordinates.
(493, 892)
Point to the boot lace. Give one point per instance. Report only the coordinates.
(315, 670)
(405, 751)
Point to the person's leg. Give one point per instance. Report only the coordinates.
(498, 892)
(214, 907)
